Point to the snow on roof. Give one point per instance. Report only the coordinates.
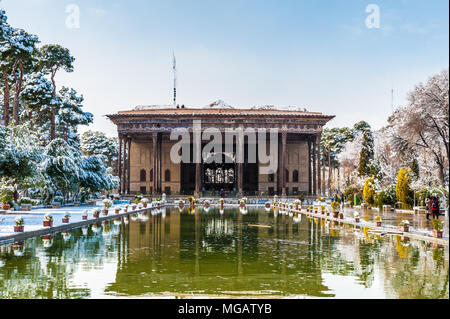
(220, 104)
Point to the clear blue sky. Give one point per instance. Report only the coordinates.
(314, 54)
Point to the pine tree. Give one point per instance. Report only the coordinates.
(366, 155)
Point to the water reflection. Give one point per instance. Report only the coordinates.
(222, 253)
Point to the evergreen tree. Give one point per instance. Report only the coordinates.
(366, 155)
(403, 187)
(369, 191)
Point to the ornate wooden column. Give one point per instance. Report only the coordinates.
(119, 164)
(197, 161)
(240, 159)
(123, 177)
(283, 163)
(319, 181)
(155, 162)
(314, 156)
(129, 165)
(159, 163)
(309, 168)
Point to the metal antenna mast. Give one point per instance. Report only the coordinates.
(174, 80)
(392, 100)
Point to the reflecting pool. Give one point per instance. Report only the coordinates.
(197, 254)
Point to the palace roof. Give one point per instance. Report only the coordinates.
(218, 108)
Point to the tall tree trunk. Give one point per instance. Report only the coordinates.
(329, 171)
(6, 98)
(17, 93)
(53, 111)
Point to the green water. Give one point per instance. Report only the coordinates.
(209, 255)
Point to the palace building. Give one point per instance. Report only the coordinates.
(145, 164)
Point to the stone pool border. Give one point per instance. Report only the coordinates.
(57, 229)
(381, 229)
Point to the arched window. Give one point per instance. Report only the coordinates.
(167, 175)
(143, 175)
(287, 176)
(151, 175)
(295, 176)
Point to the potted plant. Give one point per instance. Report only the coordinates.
(48, 220)
(84, 215)
(84, 230)
(335, 208)
(297, 203)
(57, 202)
(96, 213)
(66, 218)
(316, 209)
(133, 207)
(19, 224)
(125, 208)
(144, 202)
(107, 203)
(66, 235)
(438, 226)
(267, 206)
(117, 210)
(405, 224)
(378, 221)
(6, 196)
(356, 216)
(341, 215)
(322, 209)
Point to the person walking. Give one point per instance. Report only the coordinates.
(428, 206)
(435, 207)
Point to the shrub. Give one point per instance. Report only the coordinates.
(301, 197)
(369, 191)
(403, 190)
(335, 206)
(387, 196)
(438, 224)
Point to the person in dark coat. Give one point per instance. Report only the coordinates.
(435, 207)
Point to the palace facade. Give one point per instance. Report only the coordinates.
(145, 164)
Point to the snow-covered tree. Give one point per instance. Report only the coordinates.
(70, 115)
(97, 143)
(366, 154)
(61, 165)
(422, 127)
(53, 58)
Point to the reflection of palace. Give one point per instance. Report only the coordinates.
(145, 165)
(189, 252)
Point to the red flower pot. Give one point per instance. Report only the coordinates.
(341, 216)
(125, 210)
(96, 215)
(335, 214)
(105, 212)
(357, 219)
(117, 211)
(145, 205)
(6, 206)
(65, 220)
(84, 217)
(406, 228)
(19, 229)
(437, 234)
(47, 223)
(378, 224)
